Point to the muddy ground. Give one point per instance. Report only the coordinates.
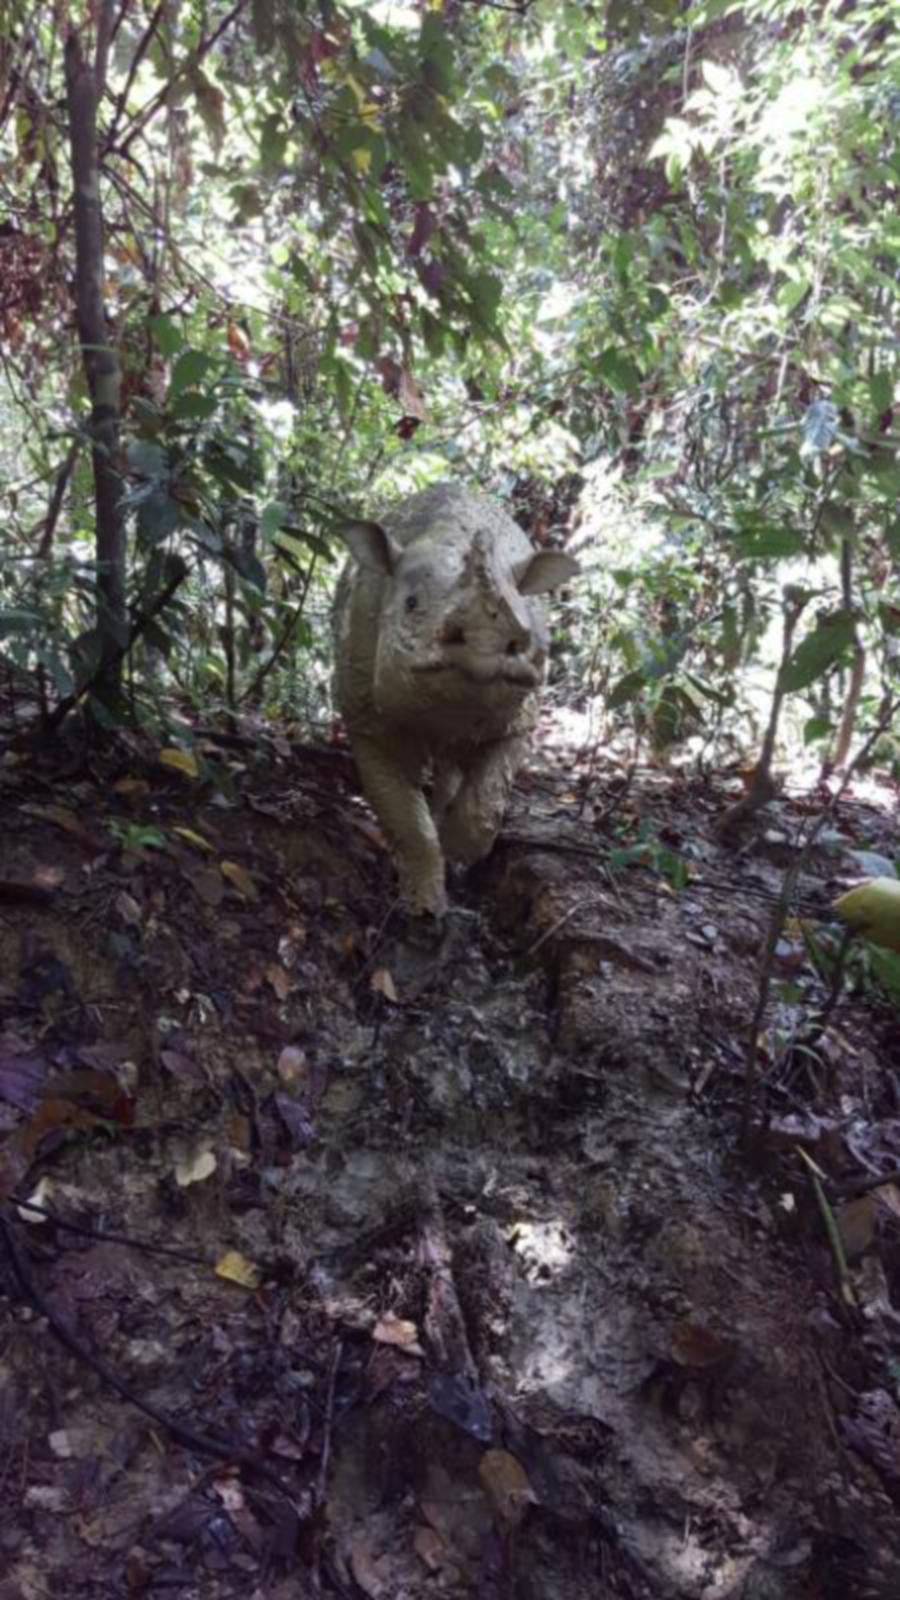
(368, 1269)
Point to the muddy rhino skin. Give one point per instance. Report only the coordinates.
(441, 649)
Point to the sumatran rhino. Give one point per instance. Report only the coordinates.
(441, 650)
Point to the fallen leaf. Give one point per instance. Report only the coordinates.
(128, 909)
(279, 980)
(194, 838)
(235, 1268)
(240, 879)
(506, 1481)
(293, 1067)
(180, 761)
(65, 819)
(368, 1569)
(693, 1345)
(394, 1330)
(382, 983)
(430, 1548)
(856, 1225)
(133, 789)
(195, 1167)
(41, 1195)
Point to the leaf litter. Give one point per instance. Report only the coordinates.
(462, 1289)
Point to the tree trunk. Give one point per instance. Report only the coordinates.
(101, 363)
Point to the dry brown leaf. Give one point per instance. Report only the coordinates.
(134, 789)
(410, 396)
(368, 1569)
(279, 980)
(128, 909)
(63, 818)
(693, 1345)
(382, 983)
(430, 1548)
(506, 1481)
(856, 1225)
(889, 1196)
(396, 1331)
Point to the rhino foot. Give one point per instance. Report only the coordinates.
(424, 949)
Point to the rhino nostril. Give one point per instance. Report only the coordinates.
(454, 636)
(514, 647)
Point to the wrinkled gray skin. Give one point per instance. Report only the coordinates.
(441, 649)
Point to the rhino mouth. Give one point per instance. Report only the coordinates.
(514, 670)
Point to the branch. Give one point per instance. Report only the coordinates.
(105, 29)
(780, 911)
(139, 122)
(141, 50)
(56, 500)
(140, 624)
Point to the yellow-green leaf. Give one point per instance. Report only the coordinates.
(193, 838)
(179, 761)
(872, 908)
(240, 879)
(235, 1268)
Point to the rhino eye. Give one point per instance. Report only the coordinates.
(412, 600)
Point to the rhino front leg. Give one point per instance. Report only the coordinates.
(392, 781)
(471, 823)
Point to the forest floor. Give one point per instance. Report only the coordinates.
(368, 1271)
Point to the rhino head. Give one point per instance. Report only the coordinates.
(456, 621)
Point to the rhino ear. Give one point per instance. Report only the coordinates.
(546, 570)
(369, 546)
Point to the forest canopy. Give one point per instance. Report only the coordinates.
(631, 268)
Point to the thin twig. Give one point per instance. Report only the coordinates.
(204, 1444)
(108, 1235)
(779, 916)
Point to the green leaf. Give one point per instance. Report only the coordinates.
(167, 334)
(273, 518)
(194, 407)
(815, 729)
(818, 651)
(765, 542)
(17, 620)
(272, 143)
(146, 458)
(158, 639)
(190, 369)
(487, 292)
(63, 681)
(627, 688)
(618, 371)
(791, 293)
(251, 569)
(433, 332)
(158, 516)
(881, 389)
